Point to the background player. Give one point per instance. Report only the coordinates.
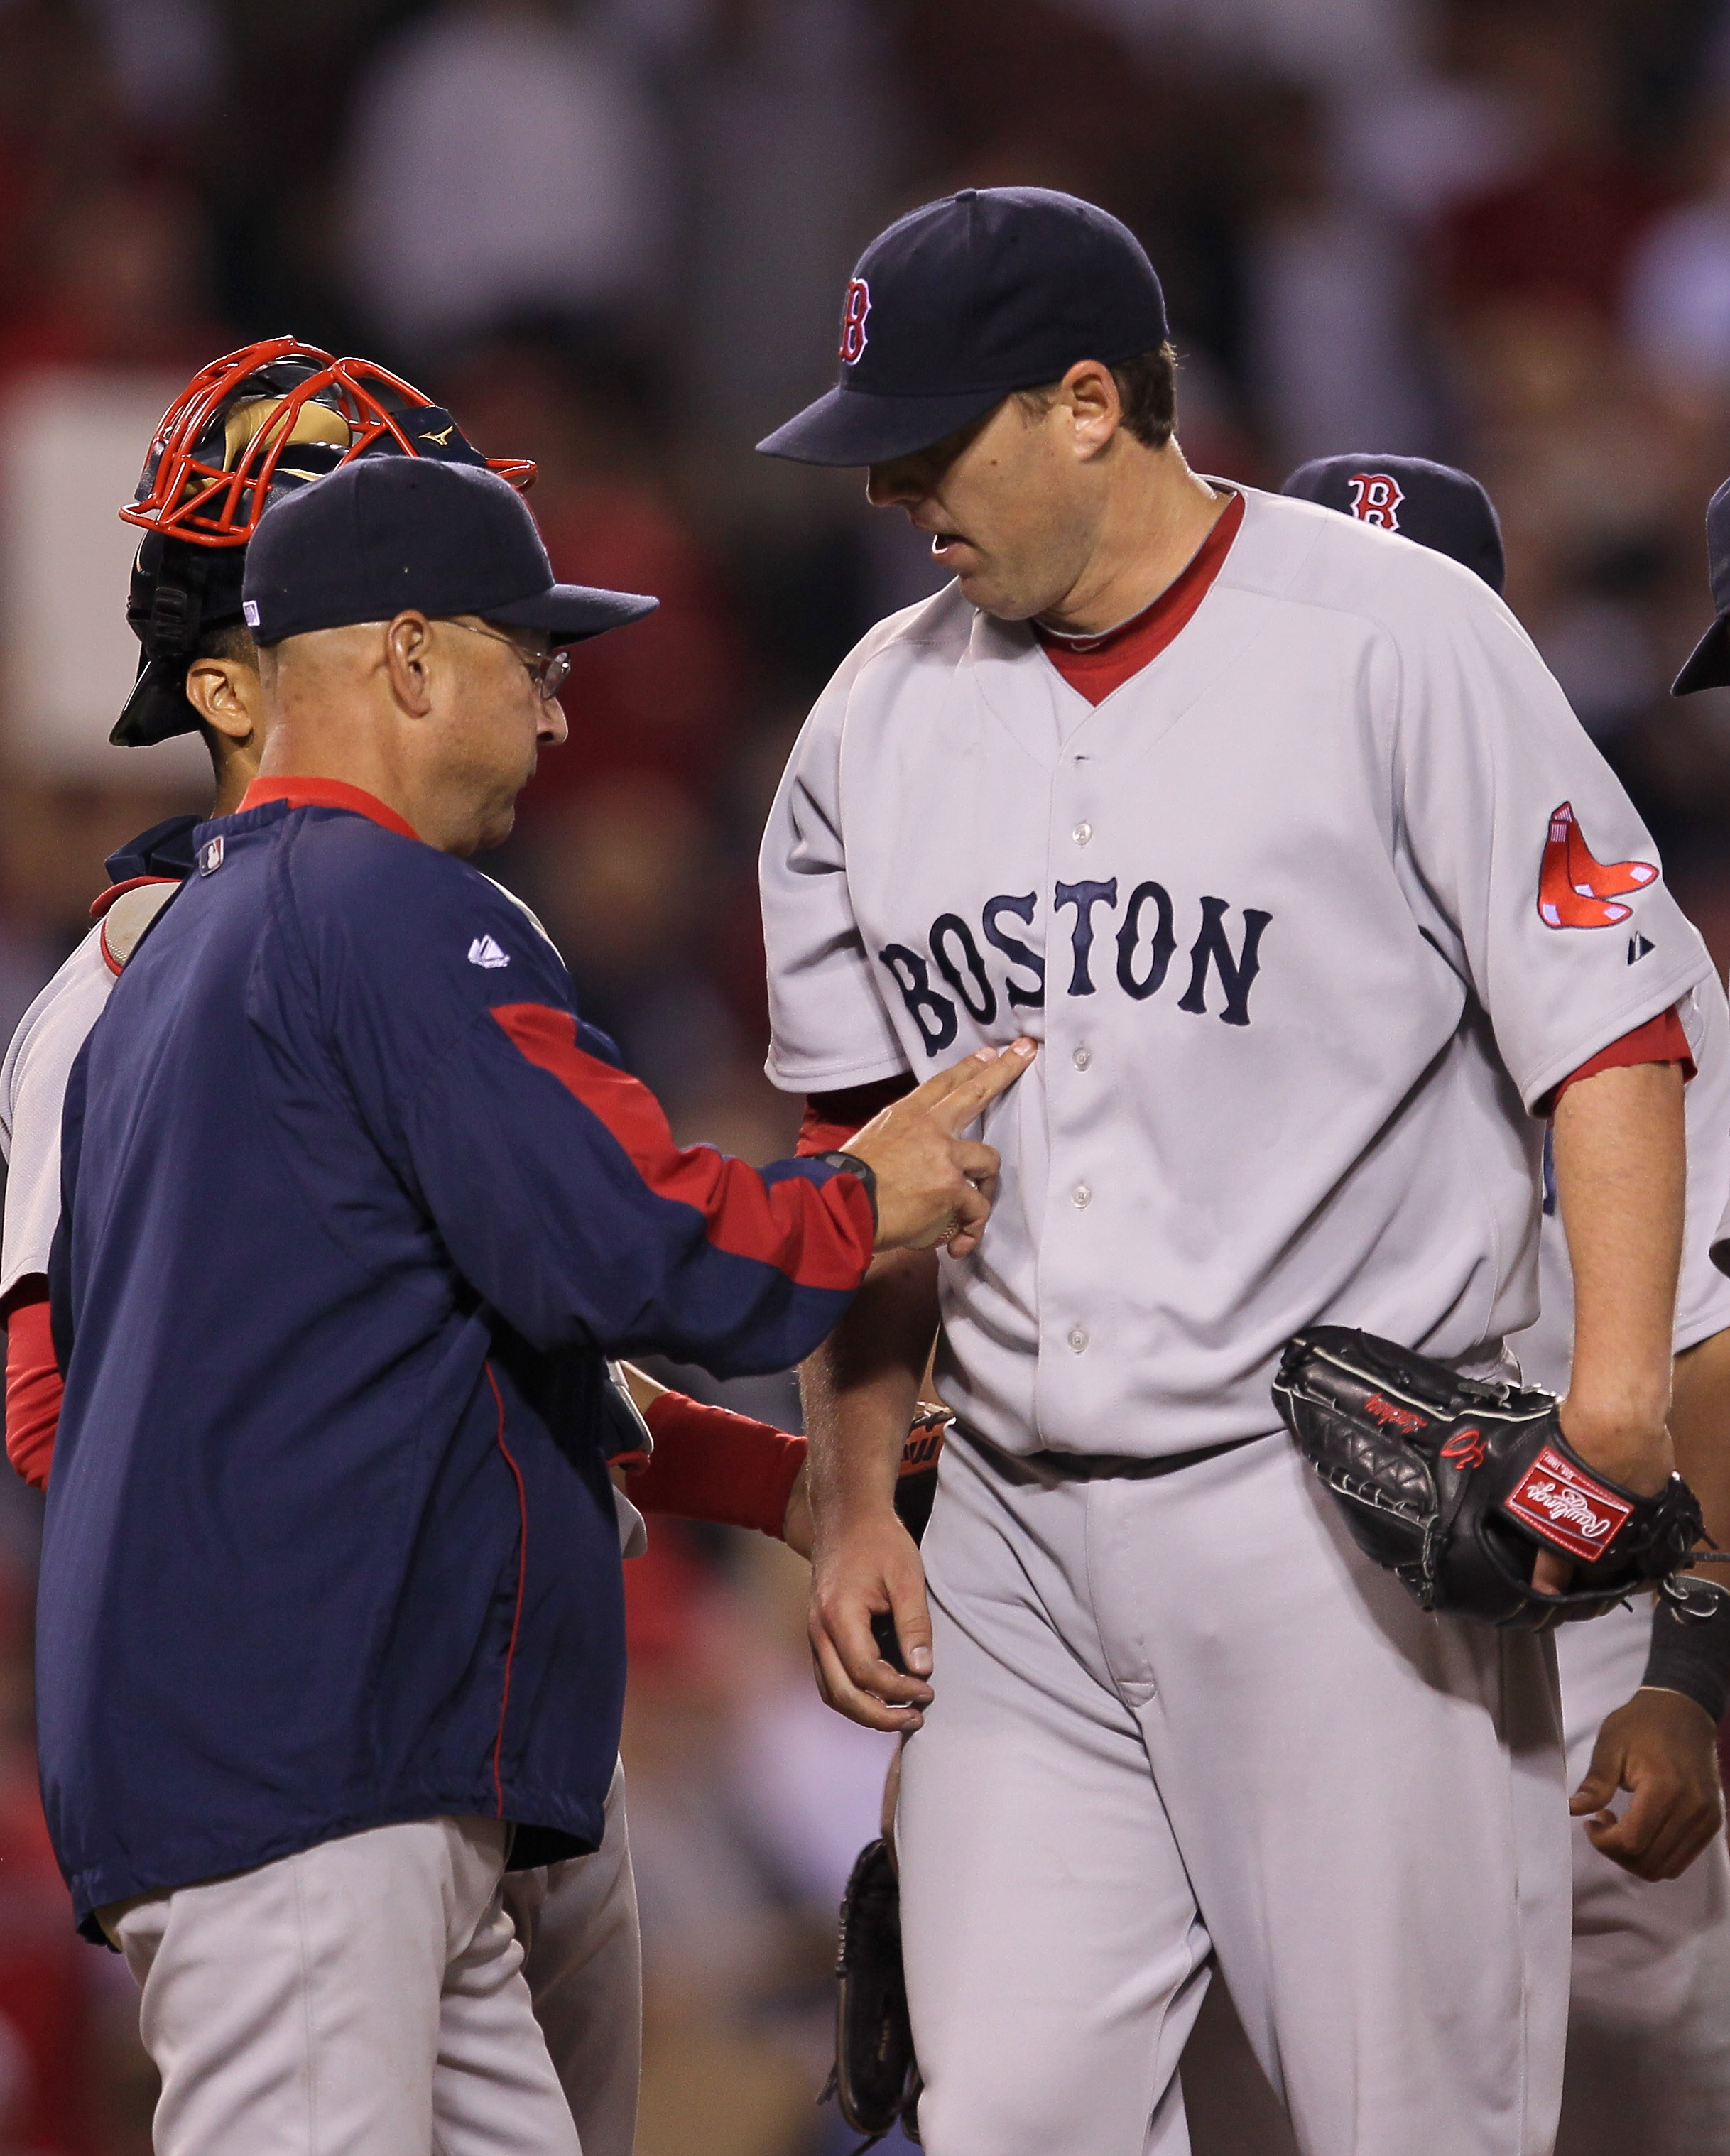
(1291, 1050)
(1649, 2015)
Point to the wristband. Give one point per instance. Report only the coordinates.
(866, 1175)
(1691, 1647)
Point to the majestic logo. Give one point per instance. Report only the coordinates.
(1637, 947)
(1465, 1448)
(1376, 497)
(483, 952)
(1384, 1411)
(1567, 1507)
(855, 309)
(1575, 889)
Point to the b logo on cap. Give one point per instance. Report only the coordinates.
(856, 306)
(1376, 497)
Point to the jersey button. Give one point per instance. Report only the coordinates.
(1081, 1058)
(1081, 834)
(1078, 1338)
(1080, 1195)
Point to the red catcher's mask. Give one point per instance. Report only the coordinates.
(275, 415)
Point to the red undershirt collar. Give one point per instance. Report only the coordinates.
(325, 793)
(1095, 665)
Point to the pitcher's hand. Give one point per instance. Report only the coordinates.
(859, 1571)
(934, 1186)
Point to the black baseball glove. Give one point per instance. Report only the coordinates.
(1454, 1484)
(876, 2081)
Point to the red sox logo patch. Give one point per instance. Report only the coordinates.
(855, 309)
(1566, 1507)
(1577, 891)
(1376, 497)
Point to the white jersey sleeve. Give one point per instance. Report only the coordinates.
(32, 1077)
(1519, 841)
(32, 1086)
(829, 1027)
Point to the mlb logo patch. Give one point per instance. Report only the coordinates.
(1566, 1507)
(210, 857)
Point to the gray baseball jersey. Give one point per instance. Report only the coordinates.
(1310, 916)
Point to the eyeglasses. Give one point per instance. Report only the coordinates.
(549, 671)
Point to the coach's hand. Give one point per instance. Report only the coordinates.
(1663, 1748)
(868, 1566)
(934, 1186)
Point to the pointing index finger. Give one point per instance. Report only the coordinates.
(981, 1085)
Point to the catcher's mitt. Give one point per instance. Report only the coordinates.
(917, 1480)
(1454, 1484)
(876, 2081)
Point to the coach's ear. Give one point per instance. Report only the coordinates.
(409, 661)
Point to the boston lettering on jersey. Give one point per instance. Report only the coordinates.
(1122, 934)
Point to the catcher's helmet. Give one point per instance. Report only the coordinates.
(246, 430)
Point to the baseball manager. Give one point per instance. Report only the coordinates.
(354, 1206)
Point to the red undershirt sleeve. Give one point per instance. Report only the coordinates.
(711, 1464)
(831, 1119)
(33, 1385)
(1661, 1040)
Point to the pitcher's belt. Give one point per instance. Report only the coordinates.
(1097, 1466)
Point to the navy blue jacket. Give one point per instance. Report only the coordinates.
(353, 1208)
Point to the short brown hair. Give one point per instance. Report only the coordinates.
(228, 639)
(1147, 389)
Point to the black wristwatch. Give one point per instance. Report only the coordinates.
(862, 1169)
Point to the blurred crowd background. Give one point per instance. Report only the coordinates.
(613, 237)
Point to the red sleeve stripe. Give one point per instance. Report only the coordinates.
(1661, 1040)
(833, 1119)
(820, 1236)
(33, 1385)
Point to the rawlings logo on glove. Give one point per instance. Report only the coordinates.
(1567, 1507)
(1455, 1484)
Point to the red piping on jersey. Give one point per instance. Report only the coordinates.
(325, 793)
(522, 1568)
(99, 907)
(818, 1235)
(1094, 666)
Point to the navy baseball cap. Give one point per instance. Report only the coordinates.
(384, 533)
(1708, 665)
(962, 302)
(1441, 508)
